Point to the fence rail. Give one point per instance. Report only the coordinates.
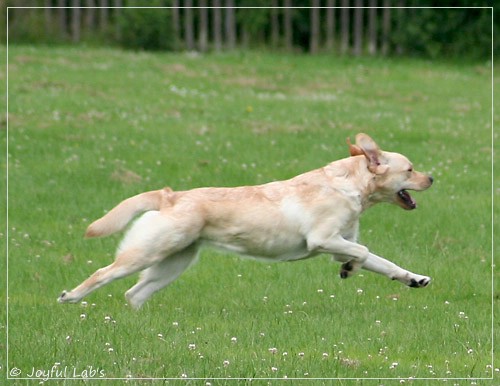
(354, 27)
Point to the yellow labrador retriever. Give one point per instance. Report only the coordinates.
(313, 213)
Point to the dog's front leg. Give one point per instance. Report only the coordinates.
(350, 252)
(385, 267)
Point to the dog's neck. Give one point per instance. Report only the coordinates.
(353, 174)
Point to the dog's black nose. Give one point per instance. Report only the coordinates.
(431, 179)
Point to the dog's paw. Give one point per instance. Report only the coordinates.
(348, 269)
(419, 282)
(133, 301)
(67, 297)
(62, 298)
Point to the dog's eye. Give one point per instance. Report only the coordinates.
(410, 169)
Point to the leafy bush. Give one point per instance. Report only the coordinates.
(29, 26)
(451, 32)
(147, 29)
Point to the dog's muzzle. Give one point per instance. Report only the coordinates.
(406, 201)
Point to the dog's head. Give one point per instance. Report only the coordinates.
(393, 173)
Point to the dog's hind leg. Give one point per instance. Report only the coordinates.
(153, 237)
(126, 263)
(160, 275)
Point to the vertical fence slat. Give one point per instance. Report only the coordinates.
(61, 15)
(90, 15)
(176, 26)
(47, 14)
(244, 30)
(103, 16)
(314, 35)
(372, 28)
(330, 25)
(203, 26)
(75, 21)
(275, 29)
(344, 25)
(230, 25)
(287, 20)
(188, 25)
(358, 28)
(400, 18)
(117, 15)
(217, 25)
(386, 27)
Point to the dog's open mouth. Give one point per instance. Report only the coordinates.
(406, 201)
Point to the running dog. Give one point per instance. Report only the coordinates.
(316, 212)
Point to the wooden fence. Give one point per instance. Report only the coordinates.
(354, 27)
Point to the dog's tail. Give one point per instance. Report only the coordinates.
(118, 217)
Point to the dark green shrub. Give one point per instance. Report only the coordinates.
(29, 26)
(146, 29)
(449, 32)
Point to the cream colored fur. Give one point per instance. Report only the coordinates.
(313, 213)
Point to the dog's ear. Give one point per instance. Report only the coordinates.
(367, 147)
(353, 149)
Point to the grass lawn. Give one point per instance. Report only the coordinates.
(90, 127)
